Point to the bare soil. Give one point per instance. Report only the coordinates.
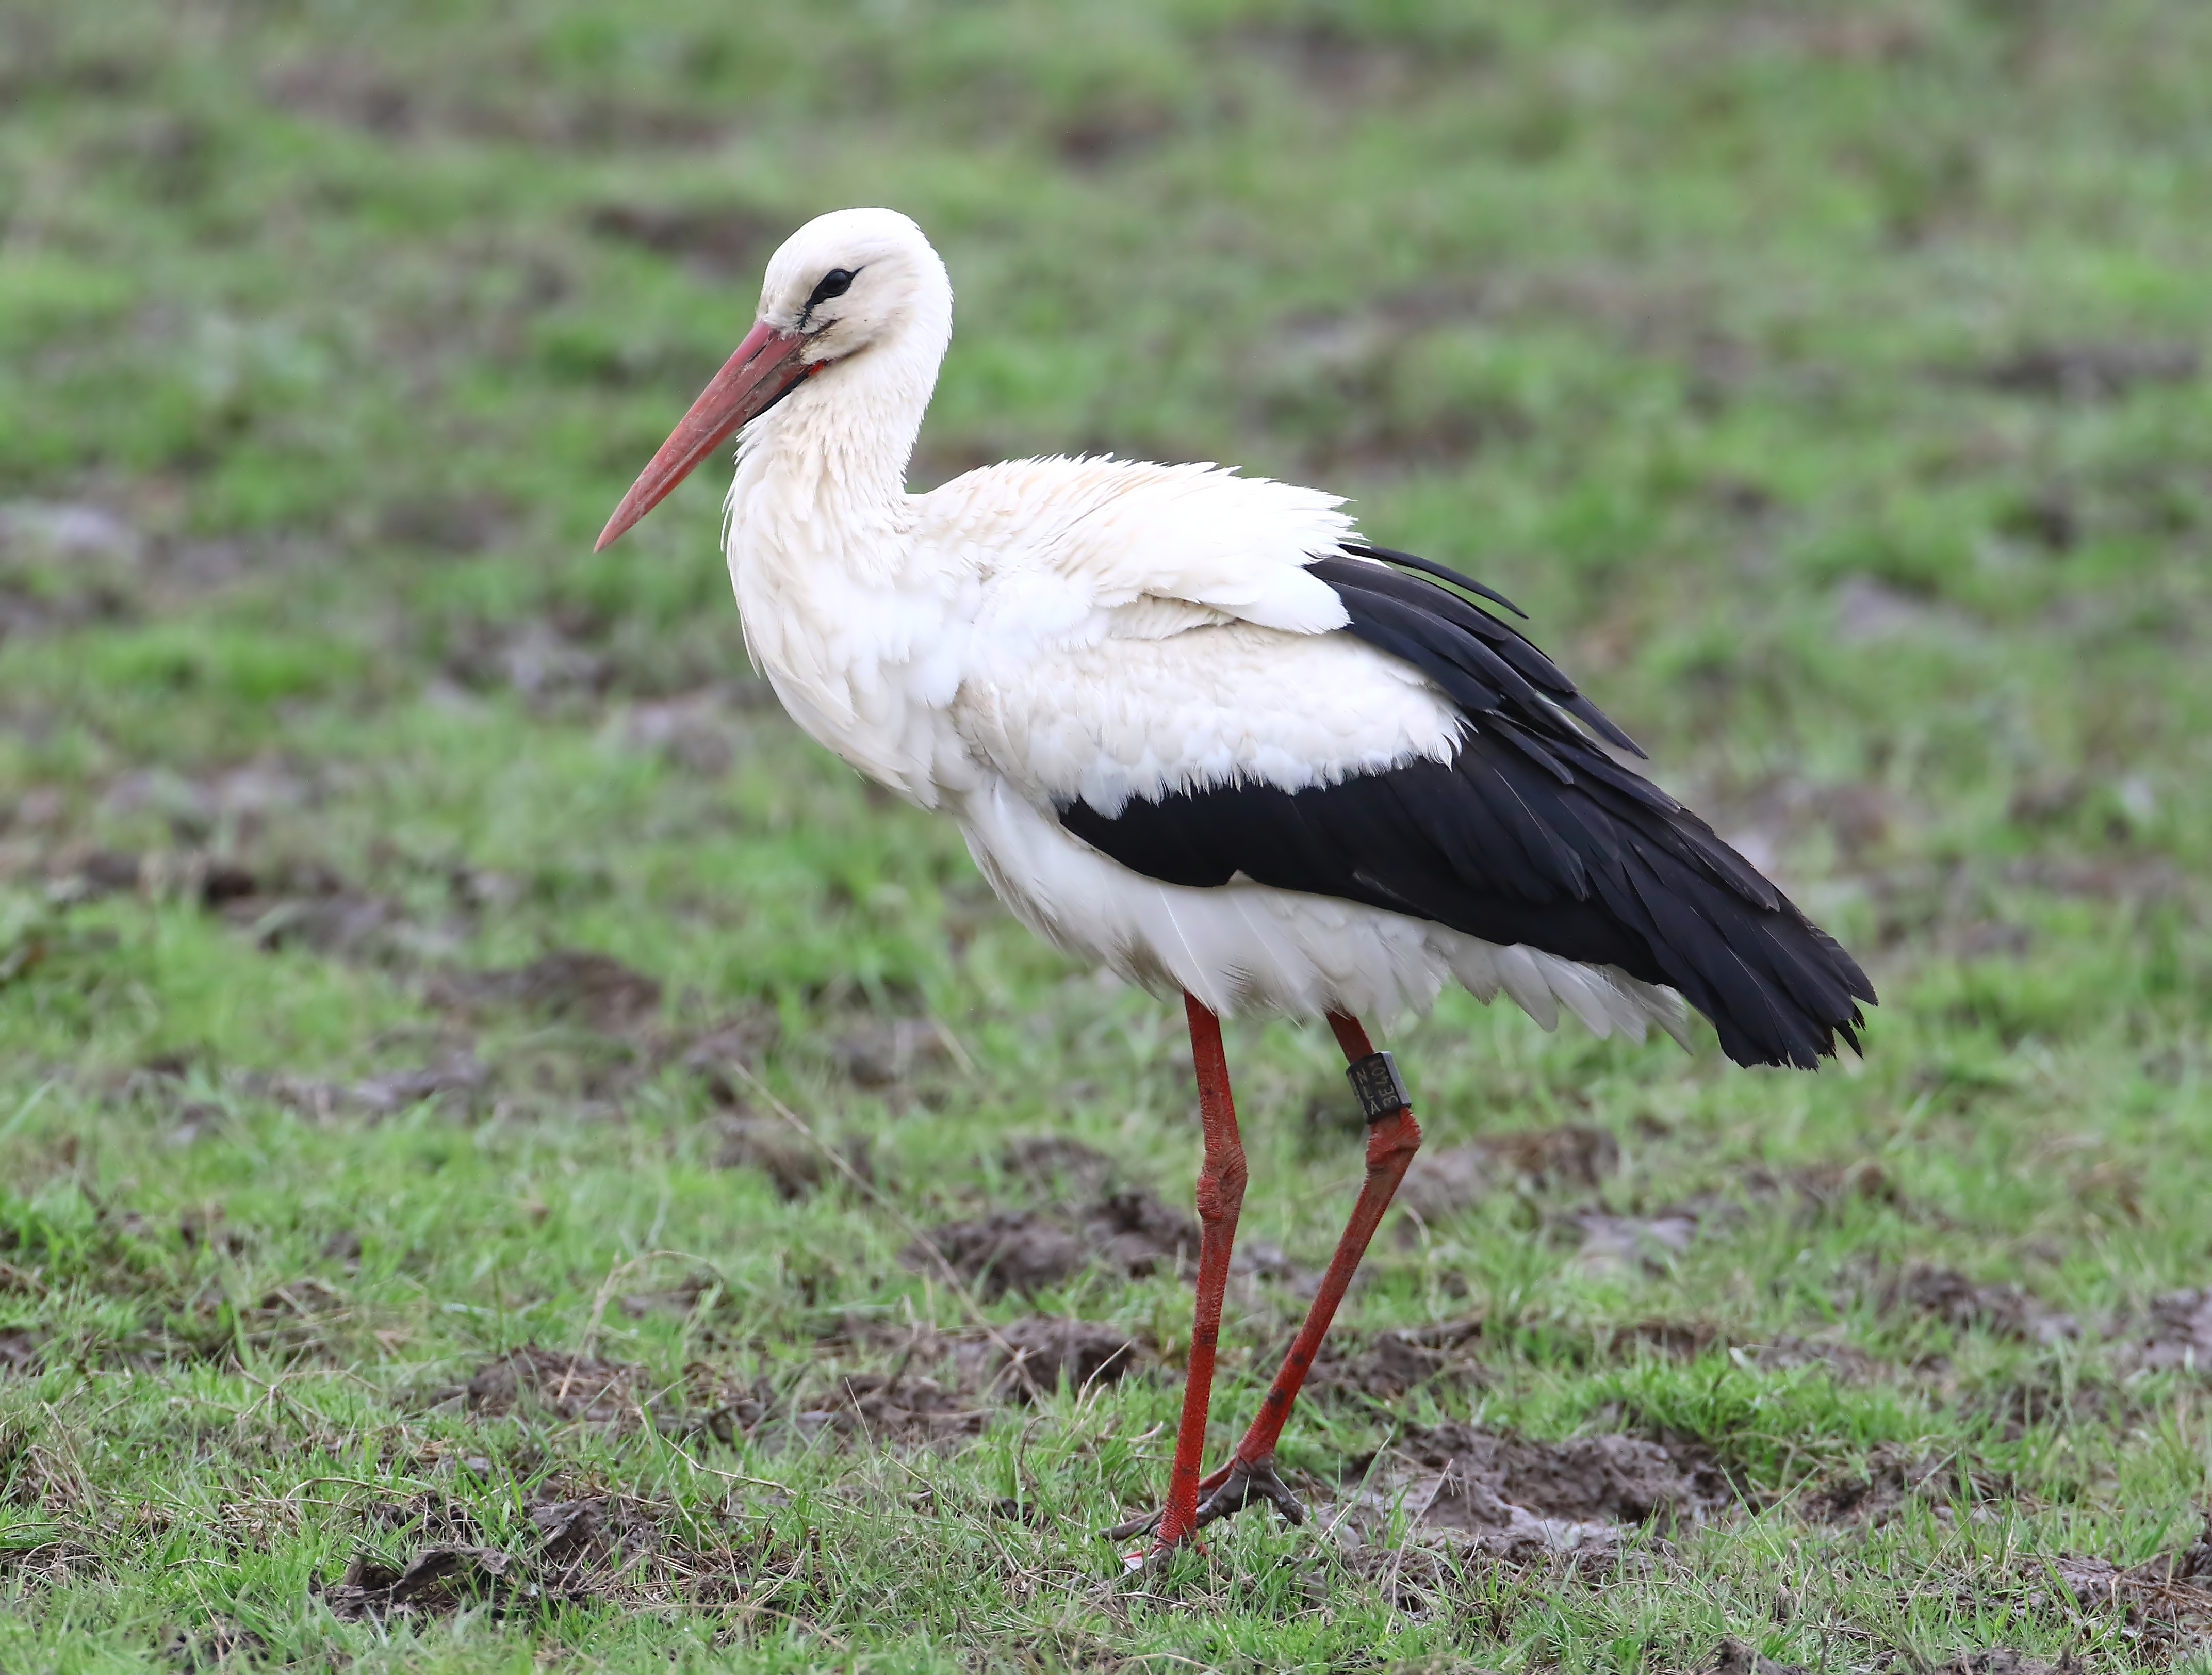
(1129, 1230)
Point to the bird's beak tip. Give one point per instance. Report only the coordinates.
(753, 380)
(626, 515)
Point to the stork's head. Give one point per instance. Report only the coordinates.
(848, 288)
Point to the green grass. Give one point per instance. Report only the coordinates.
(1826, 380)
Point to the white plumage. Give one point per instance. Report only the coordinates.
(1050, 630)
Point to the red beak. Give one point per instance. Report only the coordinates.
(768, 363)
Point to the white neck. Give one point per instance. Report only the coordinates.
(822, 475)
(831, 588)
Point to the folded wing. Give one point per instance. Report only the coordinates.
(1398, 745)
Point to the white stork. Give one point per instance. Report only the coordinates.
(1199, 730)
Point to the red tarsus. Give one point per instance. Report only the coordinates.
(1220, 1195)
(1391, 1143)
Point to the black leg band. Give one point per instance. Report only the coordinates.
(1378, 1086)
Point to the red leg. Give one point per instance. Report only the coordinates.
(1220, 1195)
(1393, 1137)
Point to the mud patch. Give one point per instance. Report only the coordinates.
(1738, 1657)
(1137, 1231)
(1049, 1352)
(572, 984)
(470, 522)
(794, 1166)
(1343, 64)
(2178, 1335)
(1612, 1246)
(1612, 1478)
(1949, 1298)
(1383, 1366)
(2089, 371)
(1468, 1493)
(551, 1542)
(292, 1319)
(679, 1300)
(2051, 1394)
(735, 1043)
(1893, 1479)
(1573, 1154)
(434, 1581)
(75, 876)
(1868, 610)
(537, 661)
(580, 1389)
(1824, 1190)
(39, 1477)
(1441, 1184)
(569, 1547)
(63, 565)
(1787, 1351)
(938, 1385)
(117, 1254)
(349, 924)
(237, 801)
(887, 1052)
(1010, 1249)
(1129, 1230)
(2165, 1602)
(458, 1081)
(695, 732)
(891, 1407)
(2004, 1660)
(307, 904)
(1053, 1163)
(1671, 1340)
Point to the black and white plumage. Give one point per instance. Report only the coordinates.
(1196, 729)
(1529, 836)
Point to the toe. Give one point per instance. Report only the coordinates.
(1135, 1526)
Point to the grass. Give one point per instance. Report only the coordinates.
(1826, 380)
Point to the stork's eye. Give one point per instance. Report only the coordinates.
(836, 282)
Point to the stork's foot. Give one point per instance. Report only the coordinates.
(1134, 1526)
(1247, 1481)
(1150, 1522)
(1157, 1556)
(1154, 1554)
(1222, 1492)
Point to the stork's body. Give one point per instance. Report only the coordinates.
(1197, 731)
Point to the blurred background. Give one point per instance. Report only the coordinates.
(383, 877)
(1826, 380)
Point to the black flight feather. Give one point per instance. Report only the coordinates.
(1485, 636)
(1429, 566)
(1531, 834)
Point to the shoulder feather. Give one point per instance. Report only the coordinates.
(1072, 536)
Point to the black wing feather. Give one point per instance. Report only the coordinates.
(1502, 640)
(1442, 572)
(1530, 835)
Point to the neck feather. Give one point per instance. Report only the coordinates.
(824, 472)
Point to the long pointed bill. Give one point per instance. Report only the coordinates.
(767, 364)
